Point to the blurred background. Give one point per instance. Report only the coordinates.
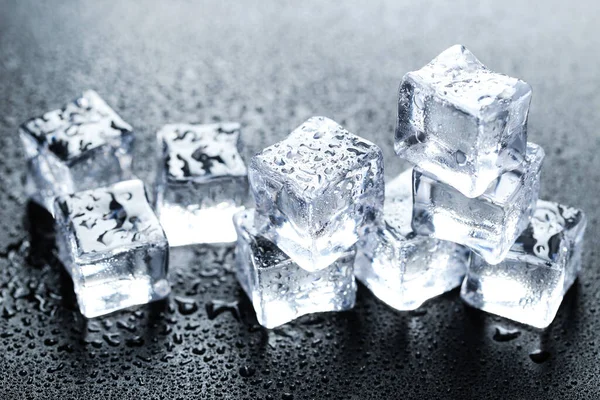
(270, 65)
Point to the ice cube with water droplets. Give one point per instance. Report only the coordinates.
(279, 289)
(316, 190)
(201, 182)
(81, 146)
(461, 122)
(111, 243)
(529, 284)
(488, 224)
(403, 269)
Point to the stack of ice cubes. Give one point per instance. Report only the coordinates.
(109, 239)
(316, 193)
(468, 210)
(401, 268)
(476, 181)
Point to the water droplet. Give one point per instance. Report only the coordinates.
(8, 312)
(461, 158)
(505, 335)
(539, 356)
(66, 348)
(177, 338)
(186, 306)
(246, 371)
(214, 308)
(418, 100)
(112, 339)
(56, 369)
(83, 102)
(292, 154)
(485, 100)
(126, 326)
(136, 341)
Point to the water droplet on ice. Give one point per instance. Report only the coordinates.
(461, 158)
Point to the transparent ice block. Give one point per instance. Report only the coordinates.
(488, 224)
(113, 246)
(461, 122)
(279, 289)
(402, 269)
(316, 190)
(201, 182)
(529, 285)
(81, 146)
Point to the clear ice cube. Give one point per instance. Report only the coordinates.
(113, 246)
(529, 285)
(461, 122)
(81, 146)
(316, 190)
(280, 290)
(402, 269)
(201, 182)
(488, 224)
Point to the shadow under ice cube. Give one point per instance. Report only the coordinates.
(461, 122)
(113, 246)
(529, 285)
(81, 146)
(402, 269)
(201, 183)
(316, 190)
(488, 224)
(279, 289)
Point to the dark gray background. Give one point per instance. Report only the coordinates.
(270, 65)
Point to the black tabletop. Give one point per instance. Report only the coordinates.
(271, 65)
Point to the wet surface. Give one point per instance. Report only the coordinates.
(271, 67)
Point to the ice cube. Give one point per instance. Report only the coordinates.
(81, 146)
(315, 190)
(529, 285)
(461, 122)
(201, 182)
(488, 224)
(402, 269)
(113, 246)
(279, 289)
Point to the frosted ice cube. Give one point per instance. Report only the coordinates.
(461, 122)
(315, 190)
(402, 269)
(113, 246)
(488, 224)
(201, 182)
(81, 146)
(529, 285)
(279, 289)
